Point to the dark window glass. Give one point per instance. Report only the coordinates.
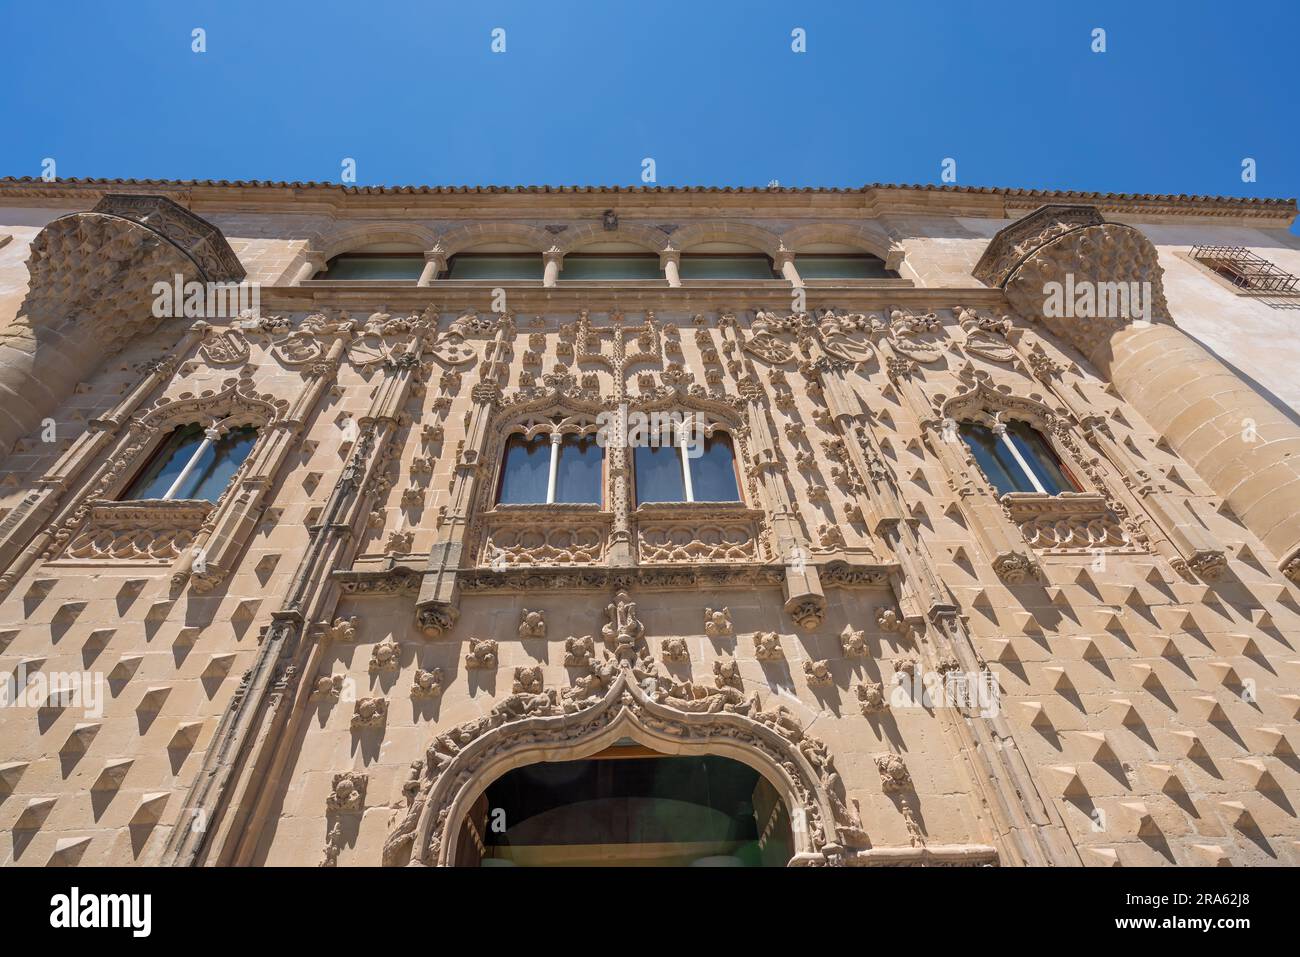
(177, 449)
(659, 474)
(713, 474)
(526, 470)
(499, 266)
(608, 266)
(211, 473)
(994, 459)
(374, 266)
(1038, 455)
(217, 465)
(817, 266)
(1000, 466)
(702, 266)
(579, 475)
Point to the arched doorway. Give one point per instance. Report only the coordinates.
(629, 805)
(449, 786)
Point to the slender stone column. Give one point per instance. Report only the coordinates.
(1242, 446)
(554, 261)
(435, 262)
(670, 260)
(784, 261)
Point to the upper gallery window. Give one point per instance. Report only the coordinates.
(698, 265)
(684, 472)
(489, 266)
(1017, 458)
(611, 266)
(842, 266)
(193, 463)
(551, 468)
(353, 266)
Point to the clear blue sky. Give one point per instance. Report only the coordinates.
(710, 89)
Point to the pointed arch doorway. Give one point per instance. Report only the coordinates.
(628, 805)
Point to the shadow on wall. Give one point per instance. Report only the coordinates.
(1250, 380)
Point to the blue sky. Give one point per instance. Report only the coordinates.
(710, 90)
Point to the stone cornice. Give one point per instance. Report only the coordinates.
(878, 199)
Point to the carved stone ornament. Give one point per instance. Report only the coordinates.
(528, 680)
(818, 673)
(717, 622)
(533, 625)
(642, 704)
(579, 652)
(343, 629)
(767, 646)
(369, 713)
(726, 674)
(327, 688)
(853, 642)
(482, 654)
(347, 792)
(871, 697)
(427, 684)
(622, 629)
(807, 612)
(894, 775)
(385, 656)
(675, 649)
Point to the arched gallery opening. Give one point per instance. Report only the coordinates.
(628, 806)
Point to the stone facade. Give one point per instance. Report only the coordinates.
(331, 662)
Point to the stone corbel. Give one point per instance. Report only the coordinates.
(91, 292)
(894, 257)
